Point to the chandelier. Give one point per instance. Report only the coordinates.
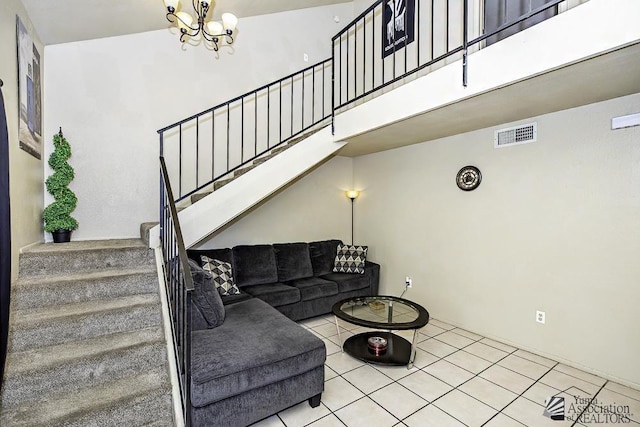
(212, 31)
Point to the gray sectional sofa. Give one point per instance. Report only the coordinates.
(249, 359)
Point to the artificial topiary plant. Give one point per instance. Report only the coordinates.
(57, 215)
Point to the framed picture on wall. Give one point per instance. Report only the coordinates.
(29, 92)
(398, 25)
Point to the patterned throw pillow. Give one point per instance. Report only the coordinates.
(222, 275)
(350, 259)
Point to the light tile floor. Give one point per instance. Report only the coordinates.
(459, 379)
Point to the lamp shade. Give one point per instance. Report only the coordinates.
(215, 28)
(352, 194)
(229, 21)
(172, 4)
(184, 20)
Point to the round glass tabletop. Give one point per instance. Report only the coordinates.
(383, 312)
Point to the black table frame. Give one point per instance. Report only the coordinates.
(399, 351)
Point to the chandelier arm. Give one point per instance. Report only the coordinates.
(194, 31)
(170, 15)
(213, 39)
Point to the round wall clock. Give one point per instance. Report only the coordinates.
(468, 178)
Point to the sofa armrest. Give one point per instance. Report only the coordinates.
(372, 270)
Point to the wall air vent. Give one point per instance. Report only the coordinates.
(516, 135)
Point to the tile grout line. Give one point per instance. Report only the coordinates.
(590, 403)
(475, 376)
(521, 394)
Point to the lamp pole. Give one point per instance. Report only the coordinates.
(352, 200)
(352, 194)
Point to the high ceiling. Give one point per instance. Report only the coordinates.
(63, 21)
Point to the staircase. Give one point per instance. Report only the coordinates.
(216, 209)
(86, 344)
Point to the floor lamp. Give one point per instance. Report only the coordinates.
(353, 195)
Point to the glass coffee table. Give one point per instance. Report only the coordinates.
(386, 314)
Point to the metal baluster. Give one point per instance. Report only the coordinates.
(197, 149)
(465, 42)
(313, 95)
(290, 134)
(280, 139)
(213, 144)
(432, 34)
(447, 31)
(180, 163)
(242, 130)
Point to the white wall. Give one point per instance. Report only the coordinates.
(111, 95)
(25, 171)
(311, 208)
(553, 226)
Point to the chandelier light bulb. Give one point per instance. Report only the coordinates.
(215, 28)
(229, 21)
(172, 5)
(184, 21)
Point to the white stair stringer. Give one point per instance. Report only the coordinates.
(223, 205)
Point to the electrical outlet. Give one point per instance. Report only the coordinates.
(408, 281)
(540, 316)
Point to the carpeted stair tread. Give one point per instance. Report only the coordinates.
(82, 275)
(84, 245)
(68, 258)
(70, 366)
(221, 183)
(133, 400)
(199, 196)
(48, 314)
(47, 357)
(34, 328)
(242, 171)
(40, 291)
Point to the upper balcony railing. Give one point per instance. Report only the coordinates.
(393, 41)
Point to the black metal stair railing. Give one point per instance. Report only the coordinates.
(216, 142)
(178, 288)
(370, 55)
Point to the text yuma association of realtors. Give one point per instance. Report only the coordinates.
(588, 410)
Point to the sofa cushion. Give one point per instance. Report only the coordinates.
(323, 255)
(350, 259)
(221, 274)
(275, 294)
(232, 299)
(256, 346)
(314, 287)
(206, 298)
(293, 261)
(348, 282)
(221, 254)
(254, 265)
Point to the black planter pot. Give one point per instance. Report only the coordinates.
(61, 236)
